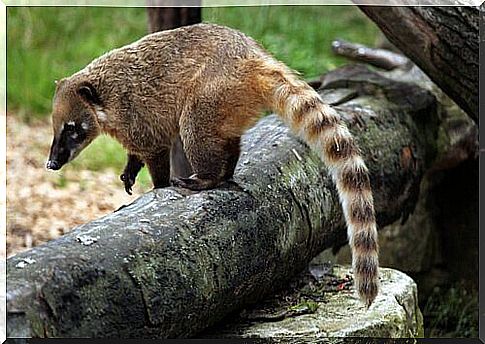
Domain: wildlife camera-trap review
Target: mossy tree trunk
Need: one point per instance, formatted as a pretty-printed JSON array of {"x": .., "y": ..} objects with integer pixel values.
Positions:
[{"x": 442, "y": 40}]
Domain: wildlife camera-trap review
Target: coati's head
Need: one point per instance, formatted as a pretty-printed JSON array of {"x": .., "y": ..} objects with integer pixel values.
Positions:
[{"x": 73, "y": 119}]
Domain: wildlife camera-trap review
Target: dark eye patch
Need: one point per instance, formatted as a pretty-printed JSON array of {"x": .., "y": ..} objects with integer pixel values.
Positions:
[
  {"x": 69, "y": 127},
  {"x": 73, "y": 132}
]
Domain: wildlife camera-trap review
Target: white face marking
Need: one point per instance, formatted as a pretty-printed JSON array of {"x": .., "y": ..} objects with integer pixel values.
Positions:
[
  {"x": 71, "y": 123},
  {"x": 102, "y": 117},
  {"x": 74, "y": 135},
  {"x": 84, "y": 125}
]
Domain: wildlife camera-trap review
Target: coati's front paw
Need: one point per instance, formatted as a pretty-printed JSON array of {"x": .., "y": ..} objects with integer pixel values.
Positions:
[
  {"x": 129, "y": 181},
  {"x": 194, "y": 183},
  {"x": 133, "y": 166}
]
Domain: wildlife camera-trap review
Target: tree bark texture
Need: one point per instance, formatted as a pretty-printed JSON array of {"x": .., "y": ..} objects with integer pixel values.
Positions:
[
  {"x": 166, "y": 18},
  {"x": 442, "y": 41},
  {"x": 175, "y": 262}
]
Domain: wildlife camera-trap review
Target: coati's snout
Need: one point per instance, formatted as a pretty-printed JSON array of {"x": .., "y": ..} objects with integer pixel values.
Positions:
[
  {"x": 73, "y": 120},
  {"x": 66, "y": 145}
]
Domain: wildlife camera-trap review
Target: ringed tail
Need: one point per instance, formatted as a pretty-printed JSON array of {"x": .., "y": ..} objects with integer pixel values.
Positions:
[{"x": 318, "y": 124}]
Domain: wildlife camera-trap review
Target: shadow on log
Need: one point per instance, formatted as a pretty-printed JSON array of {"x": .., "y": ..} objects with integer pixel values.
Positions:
[{"x": 175, "y": 262}]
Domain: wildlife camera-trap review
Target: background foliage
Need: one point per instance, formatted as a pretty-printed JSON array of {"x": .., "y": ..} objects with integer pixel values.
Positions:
[{"x": 48, "y": 43}]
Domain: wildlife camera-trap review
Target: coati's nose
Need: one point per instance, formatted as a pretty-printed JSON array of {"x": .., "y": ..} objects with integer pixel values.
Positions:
[{"x": 53, "y": 165}]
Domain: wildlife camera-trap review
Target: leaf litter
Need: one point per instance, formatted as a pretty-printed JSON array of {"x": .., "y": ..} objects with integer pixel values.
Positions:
[{"x": 41, "y": 204}]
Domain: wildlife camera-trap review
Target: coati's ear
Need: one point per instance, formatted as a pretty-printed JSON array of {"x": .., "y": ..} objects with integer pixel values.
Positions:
[
  {"x": 89, "y": 93},
  {"x": 59, "y": 82}
]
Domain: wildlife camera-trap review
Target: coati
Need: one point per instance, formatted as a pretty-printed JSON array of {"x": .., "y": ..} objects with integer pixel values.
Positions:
[{"x": 205, "y": 85}]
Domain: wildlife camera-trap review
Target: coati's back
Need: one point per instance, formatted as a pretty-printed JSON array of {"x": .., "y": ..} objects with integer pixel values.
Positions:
[{"x": 174, "y": 57}]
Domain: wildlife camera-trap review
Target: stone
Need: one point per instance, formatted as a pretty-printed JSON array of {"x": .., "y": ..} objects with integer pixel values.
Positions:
[{"x": 335, "y": 312}]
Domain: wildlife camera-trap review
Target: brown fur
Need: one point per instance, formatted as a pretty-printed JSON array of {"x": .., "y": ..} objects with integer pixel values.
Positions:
[{"x": 208, "y": 84}]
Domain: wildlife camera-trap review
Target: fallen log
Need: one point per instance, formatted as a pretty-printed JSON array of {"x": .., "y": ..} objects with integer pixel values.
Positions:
[
  {"x": 174, "y": 262},
  {"x": 442, "y": 40}
]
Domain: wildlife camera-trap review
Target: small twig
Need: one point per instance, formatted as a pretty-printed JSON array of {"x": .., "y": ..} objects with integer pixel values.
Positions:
[{"x": 296, "y": 154}]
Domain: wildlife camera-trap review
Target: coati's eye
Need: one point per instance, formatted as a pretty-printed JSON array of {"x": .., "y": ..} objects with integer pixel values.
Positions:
[
  {"x": 70, "y": 127},
  {"x": 74, "y": 132},
  {"x": 71, "y": 131}
]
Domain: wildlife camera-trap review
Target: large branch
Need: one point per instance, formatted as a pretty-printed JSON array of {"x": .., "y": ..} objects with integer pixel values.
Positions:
[
  {"x": 442, "y": 41},
  {"x": 175, "y": 262}
]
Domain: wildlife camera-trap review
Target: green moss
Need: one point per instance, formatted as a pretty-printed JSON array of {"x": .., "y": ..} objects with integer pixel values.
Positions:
[
  {"x": 36, "y": 323},
  {"x": 293, "y": 173},
  {"x": 309, "y": 305},
  {"x": 420, "y": 322}
]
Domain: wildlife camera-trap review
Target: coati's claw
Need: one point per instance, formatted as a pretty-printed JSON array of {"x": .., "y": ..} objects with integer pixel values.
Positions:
[
  {"x": 130, "y": 172},
  {"x": 194, "y": 183},
  {"x": 128, "y": 183},
  {"x": 181, "y": 182}
]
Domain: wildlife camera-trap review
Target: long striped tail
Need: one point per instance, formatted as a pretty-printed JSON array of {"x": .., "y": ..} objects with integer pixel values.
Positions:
[{"x": 318, "y": 124}]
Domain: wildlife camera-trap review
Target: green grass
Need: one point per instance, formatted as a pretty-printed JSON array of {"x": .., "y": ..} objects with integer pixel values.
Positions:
[
  {"x": 48, "y": 43},
  {"x": 300, "y": 36},
  {"x": 451, "y": 313},
  {"x": 105, "y": 152}
]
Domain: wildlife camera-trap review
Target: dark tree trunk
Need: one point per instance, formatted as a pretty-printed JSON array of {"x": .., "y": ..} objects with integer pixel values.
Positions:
[
  {"x": 442, "y": 41},
  {"x": 165, "y": 18}
]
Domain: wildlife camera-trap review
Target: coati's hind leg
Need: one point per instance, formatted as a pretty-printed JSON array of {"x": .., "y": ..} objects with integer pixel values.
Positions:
[
  {"x": 159, "y": 168},
  {"x": 213, "y": 162},
  {"x": 212, "y": 157},
  {"x": 133, "y": 166},
  {"x": 211, "y": 131}
]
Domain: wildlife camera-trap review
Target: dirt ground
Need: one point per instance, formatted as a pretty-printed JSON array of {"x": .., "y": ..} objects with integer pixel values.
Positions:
[{"x": 42, "y": 206}]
